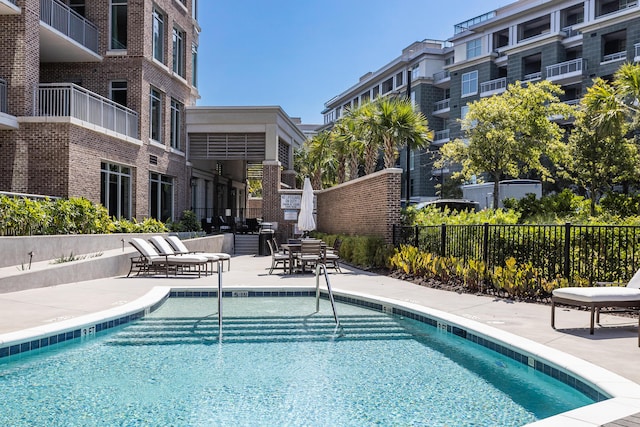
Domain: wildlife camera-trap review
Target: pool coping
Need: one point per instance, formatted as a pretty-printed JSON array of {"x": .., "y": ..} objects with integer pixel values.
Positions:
[{"x": 625, "y": 394}]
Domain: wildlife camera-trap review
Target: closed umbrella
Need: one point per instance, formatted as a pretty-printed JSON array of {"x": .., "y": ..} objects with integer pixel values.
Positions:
[{"x": 306, "y": 222}]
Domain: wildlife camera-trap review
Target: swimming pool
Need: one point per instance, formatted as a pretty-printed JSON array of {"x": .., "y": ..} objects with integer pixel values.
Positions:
[{"x": 279, "y": 364}]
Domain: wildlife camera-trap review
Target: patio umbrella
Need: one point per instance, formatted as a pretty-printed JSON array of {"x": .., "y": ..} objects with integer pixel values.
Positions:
[{"x": 306, "y": 222}]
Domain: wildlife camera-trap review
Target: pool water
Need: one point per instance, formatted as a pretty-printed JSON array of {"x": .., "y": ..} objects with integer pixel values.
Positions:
[{"x": 279, "y": 364}]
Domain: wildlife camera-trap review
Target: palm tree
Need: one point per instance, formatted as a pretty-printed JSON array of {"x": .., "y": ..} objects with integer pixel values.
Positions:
[
  {"x": 321, "y": 160},
  {"x": 627, "y": 86},
  {"x": 348, "y": 134},
  {"x": 396, "y": 123}
]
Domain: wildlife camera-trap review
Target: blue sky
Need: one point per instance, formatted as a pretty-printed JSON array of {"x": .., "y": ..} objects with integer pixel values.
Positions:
[{"x": 300, "y": 53}]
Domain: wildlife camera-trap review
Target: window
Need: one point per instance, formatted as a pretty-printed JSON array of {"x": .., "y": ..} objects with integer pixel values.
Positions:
[
  {"x": 412, "y": 160},
  {"x": 158, "y": 36},
  {"x": 115, "y": 189},
  {"x": 77, "y": 6},
  {"x": 176, "y": 123},
  {"x": 463, "y": 111},
  {"x": 118, "y": 24},
  {"x": 474, "y": 48},
  {"x": 194, "y": 9},
  {"x": 470, "y": 83},
  {"x": 376, "y": 91},
  {"x": 194, "y": 65},
  {"x": 399, "y": 79},
  {"x": 160, "y": 197},
  {"x": 415, "y": 72},
  {"x": 155, "y": 115},
  {"x": 118, "y": 92},
  {"x": 365, "y": 97},
  {"x": 178, "y": 52},
  {"x": 387, "y": 85},
  {"x": 355, "y": 102}
]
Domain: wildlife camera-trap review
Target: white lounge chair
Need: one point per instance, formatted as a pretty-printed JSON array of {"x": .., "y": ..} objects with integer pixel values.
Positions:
[
  {"x": 597, "y": 297},
  {"x": 180, "y": 248},
  {"x": 150, "y": 258}
]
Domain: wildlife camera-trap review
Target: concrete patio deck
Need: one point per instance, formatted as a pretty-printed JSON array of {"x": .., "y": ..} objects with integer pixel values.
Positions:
[{"x": 614, "y": 346}]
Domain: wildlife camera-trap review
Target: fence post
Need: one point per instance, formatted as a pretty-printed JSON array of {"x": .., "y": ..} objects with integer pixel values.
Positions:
[
  {"x": 485, "y": 243},
  {"x": 567, "y": 249},
  {"x": 443, "y": 239},
  {"x": 416, "y": 235}
]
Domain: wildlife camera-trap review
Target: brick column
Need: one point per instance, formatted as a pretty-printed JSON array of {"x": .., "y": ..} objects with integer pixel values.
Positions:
[{"x": 270, "y": 190}]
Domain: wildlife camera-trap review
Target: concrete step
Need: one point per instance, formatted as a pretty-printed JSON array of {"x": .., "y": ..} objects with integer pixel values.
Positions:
[{"x": 246, "y": 244}]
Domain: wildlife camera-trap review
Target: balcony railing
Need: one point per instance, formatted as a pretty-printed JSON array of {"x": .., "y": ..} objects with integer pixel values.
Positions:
[
  {"x": 617, "y": 56},
  {"x": 69, "y": 100},
  {"x": 60, "y": 17},
  {"x": 570, "y": 32},
  {"x": 441, "y": 105},
  {"x": 441, "y": 75},
  {"x": 532, "y": 76},
  {"x": 463, "y": 26},
  {"x": 3, "y": 96},
  {"x": 493, "y": 85},
  {"x": 567, "y": 67},
  {"x": 441, "y": 135}
]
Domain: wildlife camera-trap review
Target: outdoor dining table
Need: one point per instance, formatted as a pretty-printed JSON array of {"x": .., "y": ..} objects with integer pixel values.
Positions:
[{"x": 293, "y": 249}]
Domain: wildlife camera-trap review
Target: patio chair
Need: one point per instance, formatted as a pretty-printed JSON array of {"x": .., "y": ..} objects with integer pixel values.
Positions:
[
  {"x": 180, "y": 248},
  {"x": 597, "y": 297},
  {"x": 310, "y": 253},
  {"x": 332, "y": 256},
  {"x": 277, "y": 258},
  {"x": 150, "y": 259}
]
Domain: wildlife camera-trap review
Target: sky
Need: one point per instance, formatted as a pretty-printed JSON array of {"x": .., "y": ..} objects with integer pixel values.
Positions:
[{"x": 299, "y": 54}]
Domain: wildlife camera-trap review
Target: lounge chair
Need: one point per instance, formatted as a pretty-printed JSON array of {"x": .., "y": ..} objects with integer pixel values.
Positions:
[
  {"x": 164, "y": 248},
  {"x": 180, "y": 248},
  {"x": 277, "y": 258},
  {"x": 598, "y": 297},
  {"x": 150, "y": 259}
]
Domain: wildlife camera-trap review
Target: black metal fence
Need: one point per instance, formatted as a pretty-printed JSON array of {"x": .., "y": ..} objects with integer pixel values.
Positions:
[{"x": 589, "y": 252}]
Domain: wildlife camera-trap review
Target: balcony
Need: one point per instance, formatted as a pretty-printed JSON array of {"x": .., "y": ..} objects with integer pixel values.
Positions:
[
  {"x": 617, "y": 56},
  {"x": 441, "y": 137},
  {"x": 493, "y": 87},
  {"x": 637, "y": 52},
  {"x": 8, "y": 7},
  {"x": 441, "y": 108},
  {"x": 69, "y": 100},
  {"x": 442, "y": 79},
  {"x": 6, "y": 121},
  {"x": 570, "y": 32},
  {"x": 566, "y": 72},
  {"x": 66, "y": 36},
  {"x": 532, "y": 77}
]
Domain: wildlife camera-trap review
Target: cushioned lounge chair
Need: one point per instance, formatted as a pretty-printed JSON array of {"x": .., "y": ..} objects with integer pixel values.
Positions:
[
  {"x": 598, "y": 297},
  {"x": 150, "y": 259},
  {"x": 164, "y": 248},
  {"x": 180, "y": 248}
]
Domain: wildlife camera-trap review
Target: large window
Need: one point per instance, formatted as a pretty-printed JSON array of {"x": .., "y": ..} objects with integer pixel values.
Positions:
[
  {"x": 118, "y": 92},
  {"x": 474, "y": 48},
  {"x": 155, "y": 115},
  {"x": 194, "y": 65},
  {"x": 470, "y": 83},
  {"x": 178, "y": 52},
  {"x": 115, "y": 189},
  {"x": 118, "y": 24},
  {"x": 176, "y": 123},
  {"x": 160, "y": 197},
  {"x": 158, "y": 35}
]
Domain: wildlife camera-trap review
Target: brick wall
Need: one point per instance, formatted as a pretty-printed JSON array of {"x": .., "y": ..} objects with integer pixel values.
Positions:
[{"x": 367, "y": 206}]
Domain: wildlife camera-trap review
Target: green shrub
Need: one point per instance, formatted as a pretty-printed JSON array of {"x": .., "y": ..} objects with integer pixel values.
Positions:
[
  {"x": 361, "y": 251},
  {"x": 188, "y": 222}
]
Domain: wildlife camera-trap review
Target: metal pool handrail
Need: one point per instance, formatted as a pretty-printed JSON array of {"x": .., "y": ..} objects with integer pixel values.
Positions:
[
  {"x": 326, "y": 278},
  {"x": 219, "y": 301}
]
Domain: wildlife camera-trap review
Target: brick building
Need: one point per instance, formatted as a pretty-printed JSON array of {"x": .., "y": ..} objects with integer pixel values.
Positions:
[
  {"x": 568, "y": 42},
  {"x": 93, "y": 96}
]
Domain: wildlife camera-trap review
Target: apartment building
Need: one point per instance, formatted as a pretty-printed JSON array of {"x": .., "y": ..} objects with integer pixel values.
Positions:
[
  {"x": 568, "y": 42},
  {"x": 92, "y": 101}
]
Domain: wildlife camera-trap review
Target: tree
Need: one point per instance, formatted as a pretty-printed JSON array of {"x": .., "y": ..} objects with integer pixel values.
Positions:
[
  {"x": 600, "y": 155},
  {"x": 395, "y": 123},
  {"x": 349, "y": 135},
  {"x": 508, "y": 134},
  {"x": 322, "y": 165},
  {"x": 627, "y": 90}
]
